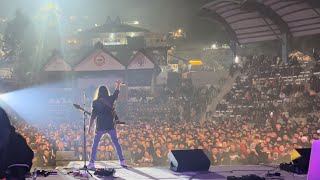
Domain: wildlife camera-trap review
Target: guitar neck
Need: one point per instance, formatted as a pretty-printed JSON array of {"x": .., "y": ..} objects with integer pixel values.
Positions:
[{"x": 87, "y": 112}]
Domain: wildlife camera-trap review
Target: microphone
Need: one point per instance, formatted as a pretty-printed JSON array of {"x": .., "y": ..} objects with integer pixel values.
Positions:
[{"x": 84, "y": 99}]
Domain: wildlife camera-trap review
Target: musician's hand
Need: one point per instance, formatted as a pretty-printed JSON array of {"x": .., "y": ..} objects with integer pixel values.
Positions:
[{"x": 118, "y": 82}]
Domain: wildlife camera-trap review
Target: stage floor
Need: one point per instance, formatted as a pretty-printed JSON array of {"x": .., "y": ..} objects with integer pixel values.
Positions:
[{"x": 215, "y": 172}]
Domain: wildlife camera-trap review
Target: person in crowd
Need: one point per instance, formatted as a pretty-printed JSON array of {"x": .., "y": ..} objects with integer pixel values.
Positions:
[
  {"x": 215, "y": 157},
  {"x": 159, "y": 159},
  {"x": 146, "y": 160},
  {"x": 79, "y": 154},
  {"x": 47, "y": 159},
  {"x": 234, "y": 156}
]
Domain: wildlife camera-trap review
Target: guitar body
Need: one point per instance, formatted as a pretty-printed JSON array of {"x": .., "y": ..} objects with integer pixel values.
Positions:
[{"x": 116, "y": 118}]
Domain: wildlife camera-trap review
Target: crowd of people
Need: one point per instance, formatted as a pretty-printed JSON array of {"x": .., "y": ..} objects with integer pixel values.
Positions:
[
  {"x": 263, "y": 91},
  {"x": 258, "y": 122},
  {"x": 141, "y": 143},
  {"x": 226, "y": 141},
  {"x": 282, "y": 101}
]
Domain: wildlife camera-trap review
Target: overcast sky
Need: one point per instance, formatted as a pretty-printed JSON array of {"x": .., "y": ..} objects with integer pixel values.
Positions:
[{"x": 156, "y": 15}]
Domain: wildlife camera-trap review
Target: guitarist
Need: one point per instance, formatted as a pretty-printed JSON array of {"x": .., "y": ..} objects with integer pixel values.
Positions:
[{"x": 104, "y": 114}]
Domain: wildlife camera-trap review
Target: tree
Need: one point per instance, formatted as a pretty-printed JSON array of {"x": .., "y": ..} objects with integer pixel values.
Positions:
[
  {"x": 18, "y": 45},
  {"x": 14, "y": 34}
]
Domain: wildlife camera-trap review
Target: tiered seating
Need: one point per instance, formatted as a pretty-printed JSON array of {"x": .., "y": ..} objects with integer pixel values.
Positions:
[{"x": 268, "y": 89}]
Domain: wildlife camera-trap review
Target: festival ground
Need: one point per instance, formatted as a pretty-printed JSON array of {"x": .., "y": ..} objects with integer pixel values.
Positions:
[{"x": 215, "y": 172}]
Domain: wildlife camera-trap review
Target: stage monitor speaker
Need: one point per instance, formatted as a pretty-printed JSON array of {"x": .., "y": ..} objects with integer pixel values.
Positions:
[
  {"x": 64, "y": 157},
  {"x": 300, "y": 161},
  {"x": 303, "y": 162},
  {"x": 188, "y": 160}
]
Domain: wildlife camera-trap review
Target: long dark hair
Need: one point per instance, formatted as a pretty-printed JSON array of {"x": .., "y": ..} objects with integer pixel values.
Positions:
[{"x": 101, "y": 92}]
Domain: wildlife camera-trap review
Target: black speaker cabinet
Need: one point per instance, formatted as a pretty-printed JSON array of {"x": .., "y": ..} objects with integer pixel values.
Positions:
[
  {"x": 299, "y": 165},
  {"x": 188, "y": 160},
  {"x": 303, "y": 162}
]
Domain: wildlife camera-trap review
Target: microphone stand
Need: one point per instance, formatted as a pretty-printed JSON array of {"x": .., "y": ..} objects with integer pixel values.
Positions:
[{"x": 85, "y": 168}]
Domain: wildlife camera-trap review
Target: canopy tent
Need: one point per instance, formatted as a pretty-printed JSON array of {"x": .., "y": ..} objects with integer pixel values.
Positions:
[
  {"x": 141, "y": 69},
  {"x": 141, "y": 61},
  {"x": 99, "y": 60},
  {"x": 104, "y": 66},
  {"x": 57, "y": 63}
]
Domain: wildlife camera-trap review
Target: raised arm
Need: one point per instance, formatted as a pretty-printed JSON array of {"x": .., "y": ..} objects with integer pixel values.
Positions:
[
  {"x": 114, "y": 96},
  {"x": 118, "y": 83}
]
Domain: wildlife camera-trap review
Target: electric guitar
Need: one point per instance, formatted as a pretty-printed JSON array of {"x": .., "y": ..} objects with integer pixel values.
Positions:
[{"x": 77, "y": 106}]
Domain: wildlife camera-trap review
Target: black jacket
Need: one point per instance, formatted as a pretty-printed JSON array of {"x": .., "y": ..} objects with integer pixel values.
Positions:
[
  {"x": 103, "y": 109},
  {"x": 16, "y": 152}
]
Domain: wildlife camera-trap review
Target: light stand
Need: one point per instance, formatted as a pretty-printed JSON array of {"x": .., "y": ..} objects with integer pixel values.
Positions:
[{"x": 85, "y": 168}]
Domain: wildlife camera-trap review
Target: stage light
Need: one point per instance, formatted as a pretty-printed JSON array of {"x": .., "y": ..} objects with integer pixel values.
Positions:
[
  {"x": 236, "y": 59},
  {"x": 214, "y": 46},
  {"x": 49, "y": 7},
  {"x": 31, "y": 104},
  {"x": 180, "y": 31},
  {"x": 195, "y": 62},
  {"x": 72, "y": 18}
]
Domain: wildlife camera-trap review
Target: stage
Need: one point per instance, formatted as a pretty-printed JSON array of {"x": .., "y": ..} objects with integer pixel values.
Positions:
[{"x": 215, "y": 172}]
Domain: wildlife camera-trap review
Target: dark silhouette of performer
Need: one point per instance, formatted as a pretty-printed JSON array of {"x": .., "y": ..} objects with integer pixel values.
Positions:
[
  {"x": 104, "y": 113},
  {"x": 15, "y": 155}
]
